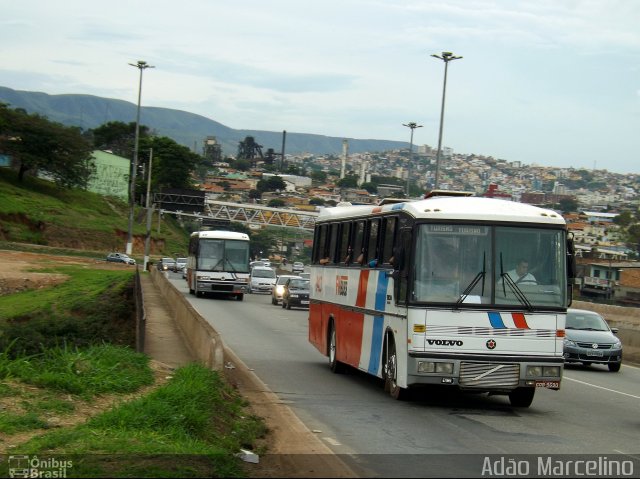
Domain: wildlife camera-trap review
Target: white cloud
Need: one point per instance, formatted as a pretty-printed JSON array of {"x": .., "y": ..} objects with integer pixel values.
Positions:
[{"x": 552, "y": 82}]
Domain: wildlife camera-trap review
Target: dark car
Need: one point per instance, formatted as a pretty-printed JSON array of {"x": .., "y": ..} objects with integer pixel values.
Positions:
[
  {"x": 120, "y": 258},
  {"x": 590, "y": 340},
  {"x": 296, "y": 293},
  {"x": 167, "y": 264}
]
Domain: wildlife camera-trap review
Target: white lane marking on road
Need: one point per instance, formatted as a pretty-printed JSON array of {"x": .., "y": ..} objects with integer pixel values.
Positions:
[
  {"x": 332, "y": 441},
  {"x": 600, "y": 387}
]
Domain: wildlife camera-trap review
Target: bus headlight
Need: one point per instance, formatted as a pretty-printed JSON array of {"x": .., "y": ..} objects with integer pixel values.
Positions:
[
  {"x": 534, "y": 371},
  {"x": 432, "y": 367},
  {"x": 551, "y": 371}
]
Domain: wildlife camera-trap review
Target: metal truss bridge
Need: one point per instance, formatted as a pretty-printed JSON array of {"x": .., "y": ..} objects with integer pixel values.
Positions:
[{"x": 247, "y": 213}]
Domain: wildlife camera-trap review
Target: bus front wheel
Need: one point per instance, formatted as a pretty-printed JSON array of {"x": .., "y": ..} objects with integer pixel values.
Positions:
[
  {"x": 335, "y": 365},
  {"x": 390, "y": 373}
]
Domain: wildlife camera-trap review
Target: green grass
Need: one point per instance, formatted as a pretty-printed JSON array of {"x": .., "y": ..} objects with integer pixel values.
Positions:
[
  {"x": 36, "y": 319},
  {"x": 86, "y": 372},
  {"x": 190, "y": 427}
]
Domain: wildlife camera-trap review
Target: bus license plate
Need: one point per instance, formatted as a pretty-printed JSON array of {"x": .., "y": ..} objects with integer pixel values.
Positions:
[{"x": 548, "y": 384}]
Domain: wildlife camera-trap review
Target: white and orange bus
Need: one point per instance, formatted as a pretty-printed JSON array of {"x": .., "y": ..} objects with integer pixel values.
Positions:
[
  {"x": 426, "y": 292},
  {"x": 218, "y": 262}
]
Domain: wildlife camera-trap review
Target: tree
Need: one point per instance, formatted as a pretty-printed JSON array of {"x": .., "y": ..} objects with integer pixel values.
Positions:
[
  {"x": 173, "y": 164},
  {"x": 348, "y": 182},
  {"x": 624, "y": 219},
  {"x": 318, "y": 177},
  {"x": 276, "y": 203},
  {"x": 568, "y": 205},
  {"x": 372, "y": 188},
  {"x": 273, "y": 183},
  {"x": 255, "y": 194},
  {"x": 241, "y": 164},
  {"x": 118, "y": 137},
  {"x": 39, "y": 145},
  {"x": 634, "y": 235}
]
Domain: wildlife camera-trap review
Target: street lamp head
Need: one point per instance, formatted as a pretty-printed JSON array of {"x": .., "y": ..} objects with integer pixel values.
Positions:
[
  {"x": 446, "y": 56},
  {"x": 141, "y": 65},
  {"x": 412, "y": 125}
]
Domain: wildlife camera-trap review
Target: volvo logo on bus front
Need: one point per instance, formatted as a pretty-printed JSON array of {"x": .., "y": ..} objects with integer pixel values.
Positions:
[
  {"x": 491, "y": 344},
  {"x": 445, "y": 342}
]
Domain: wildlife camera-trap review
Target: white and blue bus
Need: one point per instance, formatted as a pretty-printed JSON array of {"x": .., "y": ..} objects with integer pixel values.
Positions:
[
  {"x": 218, "y": 262},
  {"x": 431, "y": 292}
]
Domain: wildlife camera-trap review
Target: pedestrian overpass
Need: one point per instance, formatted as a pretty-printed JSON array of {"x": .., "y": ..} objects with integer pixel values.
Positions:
[{"x": 247, "y": 213}]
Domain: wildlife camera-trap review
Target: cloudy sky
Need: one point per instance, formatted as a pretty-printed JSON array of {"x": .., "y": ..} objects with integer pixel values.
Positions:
[{"x": 554, "y": 83}]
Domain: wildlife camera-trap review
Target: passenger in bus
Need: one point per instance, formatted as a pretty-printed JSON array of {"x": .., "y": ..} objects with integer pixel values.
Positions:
[
  {"x": 325, "y": 260},
  {"x": 520, "y": 274},
  {"x": 349, "y": 256}
]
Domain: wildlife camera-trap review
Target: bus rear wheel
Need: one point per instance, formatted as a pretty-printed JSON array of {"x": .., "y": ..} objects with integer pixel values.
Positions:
[
  {"x": 335, "y": 365},
  {"x": 522, "y": 397}
]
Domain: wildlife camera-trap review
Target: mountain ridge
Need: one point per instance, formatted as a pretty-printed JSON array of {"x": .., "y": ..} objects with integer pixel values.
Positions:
[{"x": 186, "y": 128}]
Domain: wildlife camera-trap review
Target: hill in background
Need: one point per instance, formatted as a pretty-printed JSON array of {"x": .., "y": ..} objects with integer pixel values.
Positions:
[
  {"x": 35, "y": 211},
  {"x": 188, "y": 129}
]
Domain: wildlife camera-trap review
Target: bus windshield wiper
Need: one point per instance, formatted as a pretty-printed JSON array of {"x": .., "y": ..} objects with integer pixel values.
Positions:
[
  {"x": 474, "y": 281},
  {"x": 506, "y": 279},
  {"x": 223, "y": 261}
]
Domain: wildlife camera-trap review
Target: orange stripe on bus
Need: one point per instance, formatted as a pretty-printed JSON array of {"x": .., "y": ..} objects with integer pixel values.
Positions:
[{"x": 363, "y": 282}]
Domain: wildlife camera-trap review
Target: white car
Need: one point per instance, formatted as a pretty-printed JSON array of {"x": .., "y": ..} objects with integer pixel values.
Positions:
[
  {"x": 297, "y": 267},
  {"x": 278, "y": 289},
  {"x": 120, "y": 258},
  {"x": 262, "y": 279}
]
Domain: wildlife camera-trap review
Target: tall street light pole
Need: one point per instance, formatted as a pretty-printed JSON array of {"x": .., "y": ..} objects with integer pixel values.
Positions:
[
  {"x": 141, "y": 65},
  {"x": 413, "y": 126},
  {"x": 446, "y": 57}
]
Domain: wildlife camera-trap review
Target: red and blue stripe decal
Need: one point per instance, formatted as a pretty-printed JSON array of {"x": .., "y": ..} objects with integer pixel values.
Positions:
[{"x": 518, "y": 320}]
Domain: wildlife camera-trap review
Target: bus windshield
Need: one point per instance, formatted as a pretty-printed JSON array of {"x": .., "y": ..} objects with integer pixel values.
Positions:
[
  {"x": 223, "y": 255},
  {"x": 469, "y": 265}
]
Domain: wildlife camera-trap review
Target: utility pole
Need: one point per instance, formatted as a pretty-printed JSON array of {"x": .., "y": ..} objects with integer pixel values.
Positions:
[{"x": 413, "y": 126}]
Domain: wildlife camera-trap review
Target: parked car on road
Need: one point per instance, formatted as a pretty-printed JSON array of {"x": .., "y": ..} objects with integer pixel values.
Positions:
[
  {"x": 180, "y": 263},
  {"x": 296, "y": 293},
  {"x": 278, "y": 289},
  {"x": 297, "y": 267},
  {"x": 167, "y": 264},
  {"x": 120, "y": 258},
  {"x": 261, "y": 279},
  {"x": 589, "y": 340}
]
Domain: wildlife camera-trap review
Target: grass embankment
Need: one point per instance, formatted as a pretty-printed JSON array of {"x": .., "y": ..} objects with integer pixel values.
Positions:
[
  {"x": 66, "y": 355},
  {"x": 35, "y": 211}
]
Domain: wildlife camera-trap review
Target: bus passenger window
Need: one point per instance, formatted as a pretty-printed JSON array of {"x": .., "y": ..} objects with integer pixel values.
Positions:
[
  {"x": 372, "y": 244},
  {"x": 358, "y": 241},
  {"x": 388, "y": 240}
]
